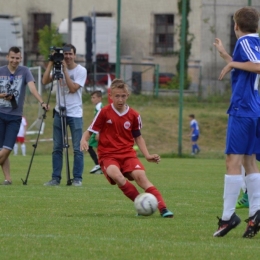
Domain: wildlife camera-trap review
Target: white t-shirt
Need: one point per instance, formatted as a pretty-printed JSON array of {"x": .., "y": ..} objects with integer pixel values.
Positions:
[
  {"x": 72, "y": 101},
  {"x": 21, "y": 132}
]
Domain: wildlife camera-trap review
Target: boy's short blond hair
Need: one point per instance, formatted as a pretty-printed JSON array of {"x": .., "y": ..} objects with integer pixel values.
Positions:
[{"x": 119, "y": 83}]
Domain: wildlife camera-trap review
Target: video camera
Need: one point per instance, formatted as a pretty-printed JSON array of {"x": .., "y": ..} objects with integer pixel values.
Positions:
[
  {"x": 57, "y": 57},
  {"x": 11, "y": 92}
]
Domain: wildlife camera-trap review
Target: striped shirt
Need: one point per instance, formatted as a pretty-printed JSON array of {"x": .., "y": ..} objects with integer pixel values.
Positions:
[{"x": 245, "y": 100}]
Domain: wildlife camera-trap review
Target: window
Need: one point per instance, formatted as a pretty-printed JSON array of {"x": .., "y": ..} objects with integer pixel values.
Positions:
[
  {"x": 163, "y": 33},
  {"x": 233, "y": 38},
  {"x": 39, "y": 20}
]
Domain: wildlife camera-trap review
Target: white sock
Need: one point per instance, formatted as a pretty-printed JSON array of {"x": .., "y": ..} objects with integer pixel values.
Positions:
[
  {"x": 15, "y": 149},
  {"x": 23, "y": 147},
  {"x": 232, "y": 186},
  {"x": 244, "y": 178},
  {"x": 253, "y": 190}
]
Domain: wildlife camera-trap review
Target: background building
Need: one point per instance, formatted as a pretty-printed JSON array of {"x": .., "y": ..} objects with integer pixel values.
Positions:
[{"x": 149, "y": 32}]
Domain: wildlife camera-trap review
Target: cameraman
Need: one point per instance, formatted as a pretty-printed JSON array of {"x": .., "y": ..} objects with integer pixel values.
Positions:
[
  {"x": 13, "y": 82},
  {"x": 69, "y": 96}
]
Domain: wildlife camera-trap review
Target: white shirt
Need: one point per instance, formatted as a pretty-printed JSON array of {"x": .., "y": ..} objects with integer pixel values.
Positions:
[{"x": 72, "y": 101}]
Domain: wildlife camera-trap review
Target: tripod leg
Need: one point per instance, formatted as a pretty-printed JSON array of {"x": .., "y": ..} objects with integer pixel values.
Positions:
[
  {"x": 38, "y": 135},
  {"x": 34, "y": 146},
  {"x": 65, "y": 145},
  {"x": 64, "y": 130},
  {"x": 69, "y": 181}
]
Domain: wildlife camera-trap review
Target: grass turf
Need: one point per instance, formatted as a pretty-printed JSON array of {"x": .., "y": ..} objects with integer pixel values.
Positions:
[{"x": 96, "y": 221}]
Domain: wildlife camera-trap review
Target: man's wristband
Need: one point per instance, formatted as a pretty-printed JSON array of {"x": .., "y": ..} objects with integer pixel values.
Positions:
[{"x": 42, "y": 103}]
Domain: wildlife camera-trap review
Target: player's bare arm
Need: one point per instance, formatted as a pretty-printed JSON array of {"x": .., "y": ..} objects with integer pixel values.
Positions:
[
  {"x": 247, "y": 66},
  {"x": 224, "y": 71},
  {"x": 142, "y": 146},
  {"x": 222, "y": 52},
  {"x": 84, "y": 141},
  {"x": 191, "y": 132},
  {"x": 35, "y": 93},
  {"x": 153, "y": 158}
]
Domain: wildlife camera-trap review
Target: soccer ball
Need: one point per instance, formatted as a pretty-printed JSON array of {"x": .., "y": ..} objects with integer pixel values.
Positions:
[
  {"x": 135, "y": 147},
  {"x": 145, "y": 204}
]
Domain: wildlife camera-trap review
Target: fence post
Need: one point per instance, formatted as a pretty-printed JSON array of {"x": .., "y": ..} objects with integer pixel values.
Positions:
[
  {"x": 157, "y": 69},
  {"x": 118, "y": 39}
]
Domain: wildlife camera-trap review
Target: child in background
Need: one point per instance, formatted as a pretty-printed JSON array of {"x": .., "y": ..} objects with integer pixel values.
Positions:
[
  {"x": 20, "y": 137},
  {"x": 96, "y": 99},
  {"x": 194, "y": 134}
]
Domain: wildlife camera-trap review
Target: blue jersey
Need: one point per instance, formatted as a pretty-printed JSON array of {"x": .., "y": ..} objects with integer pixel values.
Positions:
[
  {"x": 245, "y": 100},
  {"x": 195, "y": 126}
]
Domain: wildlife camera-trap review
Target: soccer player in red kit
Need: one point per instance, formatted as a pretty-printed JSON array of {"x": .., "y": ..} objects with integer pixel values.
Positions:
[{"x": 119, "y": 127}]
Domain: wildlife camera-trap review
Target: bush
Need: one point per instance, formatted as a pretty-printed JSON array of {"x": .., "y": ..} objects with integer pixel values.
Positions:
[
  {"x": 175, "y": 83},
  {"x": 48, "y": 36}
]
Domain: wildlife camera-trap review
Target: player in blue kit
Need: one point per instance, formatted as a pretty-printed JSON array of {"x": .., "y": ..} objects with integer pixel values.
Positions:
[
  {"x": 244, "y": 113},
  {"x": 194, "y": 134}
]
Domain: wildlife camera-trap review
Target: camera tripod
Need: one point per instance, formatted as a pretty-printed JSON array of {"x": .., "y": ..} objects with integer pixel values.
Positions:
[
  {"x": 37, "y": 139},
  {"x": 62, "y": 113}
]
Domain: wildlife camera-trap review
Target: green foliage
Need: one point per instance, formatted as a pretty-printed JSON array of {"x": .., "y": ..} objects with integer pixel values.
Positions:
[
  {"x": 175, "y": 83},
  {"x": 48, "y": 36}
]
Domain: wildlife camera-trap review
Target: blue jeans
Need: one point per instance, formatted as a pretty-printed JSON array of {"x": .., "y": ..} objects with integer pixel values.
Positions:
[
  {"x": 75, "y": 124},
  {"x": 9, "y": 128}
]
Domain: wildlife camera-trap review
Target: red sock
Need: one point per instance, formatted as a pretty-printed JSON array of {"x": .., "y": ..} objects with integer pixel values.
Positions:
[
  {"x": 129, "y": 190},
  {"x": 157, "y": 194}
]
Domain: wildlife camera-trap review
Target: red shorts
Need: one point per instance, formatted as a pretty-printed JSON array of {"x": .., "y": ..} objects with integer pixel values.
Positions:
[
  {"x": 19, "y": 139},
  {"x": 126, "y": 165}
]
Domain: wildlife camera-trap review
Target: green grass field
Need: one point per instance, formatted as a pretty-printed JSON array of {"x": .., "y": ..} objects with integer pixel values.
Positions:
[{"x": 96, "y": 221}]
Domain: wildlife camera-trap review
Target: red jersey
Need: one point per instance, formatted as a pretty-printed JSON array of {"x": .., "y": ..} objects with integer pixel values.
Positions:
[{"x": 115, "y": 131}]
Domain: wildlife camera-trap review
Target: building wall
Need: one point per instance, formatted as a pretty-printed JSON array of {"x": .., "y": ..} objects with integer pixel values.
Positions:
[
  {"x": 208, "y": 19},
  {"x": 216, "y": 23},
  {"x": 136, "y": 21}
]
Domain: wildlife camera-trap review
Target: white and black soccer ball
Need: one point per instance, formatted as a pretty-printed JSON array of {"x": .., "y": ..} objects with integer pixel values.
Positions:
[{"x": 145, "y": 204}]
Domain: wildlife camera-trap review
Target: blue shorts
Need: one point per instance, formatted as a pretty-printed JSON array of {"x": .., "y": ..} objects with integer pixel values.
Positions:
[
  {"x": 194, "y": 138},
  {"x": 241, "y": 136},
  {"x": 9, "y": 128}
]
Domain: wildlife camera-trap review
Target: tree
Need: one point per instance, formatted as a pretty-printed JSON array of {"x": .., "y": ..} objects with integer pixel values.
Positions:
[{"x": 48, "y": 37}]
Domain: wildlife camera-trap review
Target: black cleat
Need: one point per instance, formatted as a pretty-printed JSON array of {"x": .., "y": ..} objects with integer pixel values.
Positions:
[
  {"x": 253, "y": 225},
  {"x": 224, "y": 226}
]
